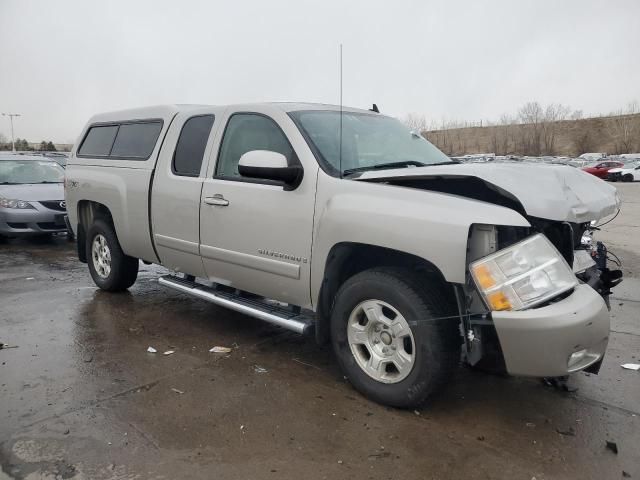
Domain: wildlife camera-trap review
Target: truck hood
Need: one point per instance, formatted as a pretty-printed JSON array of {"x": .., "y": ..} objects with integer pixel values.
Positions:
[
  {"x": 33, "y": 191},
  {"x": 552, "y": 192}
]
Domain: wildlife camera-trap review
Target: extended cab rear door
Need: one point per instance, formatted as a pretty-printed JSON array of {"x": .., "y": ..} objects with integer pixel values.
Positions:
[
  {"x": 176, "y": 189},
  {"x": 255, "y": 235}
]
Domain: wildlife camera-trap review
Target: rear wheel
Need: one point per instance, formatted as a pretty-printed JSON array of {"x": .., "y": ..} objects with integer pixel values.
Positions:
[
  {"x": 391, "y": 338},
  {"x": 627, "y": 178},
  {"x": 110, "y": 268}
]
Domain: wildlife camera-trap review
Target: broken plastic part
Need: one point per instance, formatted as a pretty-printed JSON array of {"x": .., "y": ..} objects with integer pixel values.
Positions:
[{"x": 220, "y": 350}]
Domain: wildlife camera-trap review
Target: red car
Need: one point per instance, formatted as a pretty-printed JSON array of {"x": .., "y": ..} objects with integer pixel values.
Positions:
[{"x": 600, "y": 169}]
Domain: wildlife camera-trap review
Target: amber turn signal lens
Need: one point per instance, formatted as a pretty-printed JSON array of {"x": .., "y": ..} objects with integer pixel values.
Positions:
[
  {"x": 483, "y": 277},
  {"x": 499, "y": 301}
]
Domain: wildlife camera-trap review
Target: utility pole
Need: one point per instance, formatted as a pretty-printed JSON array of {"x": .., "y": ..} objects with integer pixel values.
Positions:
[{"x": 11, "y": 115}]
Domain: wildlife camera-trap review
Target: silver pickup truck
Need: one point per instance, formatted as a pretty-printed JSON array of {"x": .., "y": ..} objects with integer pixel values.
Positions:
[{"x": 343, "y": 224}]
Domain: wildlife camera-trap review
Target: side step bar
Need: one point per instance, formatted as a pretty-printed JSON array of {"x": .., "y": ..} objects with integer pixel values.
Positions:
[{"x": 275, "y": 314}]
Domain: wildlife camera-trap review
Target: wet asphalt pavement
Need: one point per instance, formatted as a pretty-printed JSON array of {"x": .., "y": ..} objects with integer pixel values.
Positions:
[{"x": 81, "y": 398}]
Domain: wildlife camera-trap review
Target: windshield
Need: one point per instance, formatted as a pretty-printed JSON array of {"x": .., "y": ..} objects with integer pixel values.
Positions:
[
  {"x": 19, "y": 172},
  {"x": 632, "y": 164},
  {"x": 368, "y": 141}
]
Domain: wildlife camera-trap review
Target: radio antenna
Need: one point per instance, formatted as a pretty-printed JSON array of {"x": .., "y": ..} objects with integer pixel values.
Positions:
[{"x": 340, "y": 154}]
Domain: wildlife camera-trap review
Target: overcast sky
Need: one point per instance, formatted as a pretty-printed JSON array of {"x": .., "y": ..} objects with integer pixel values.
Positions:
[{"x": 62, "y": 61}]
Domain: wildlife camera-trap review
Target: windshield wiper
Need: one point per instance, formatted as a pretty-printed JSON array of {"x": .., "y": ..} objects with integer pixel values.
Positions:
[
  {"x": 9, "y": 183},
  {"x": 45, "y": 181},
  {"x": 381, "y": 166},
  {"x": 450, "y": 162}
]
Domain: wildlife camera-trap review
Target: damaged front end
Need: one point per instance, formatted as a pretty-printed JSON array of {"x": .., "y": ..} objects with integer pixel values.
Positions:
[
  {"x": 555, "y": 336},
  {"x": 566, "y": 328}
]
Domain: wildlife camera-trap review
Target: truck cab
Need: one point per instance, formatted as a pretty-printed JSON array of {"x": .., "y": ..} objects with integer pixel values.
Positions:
[{"x": 342, "y": 224}]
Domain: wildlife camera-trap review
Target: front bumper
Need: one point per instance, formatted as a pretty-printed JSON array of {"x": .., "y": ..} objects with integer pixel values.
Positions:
[
  {"x": 25, "y": 222},
  {"x": 540, "y": 342}
]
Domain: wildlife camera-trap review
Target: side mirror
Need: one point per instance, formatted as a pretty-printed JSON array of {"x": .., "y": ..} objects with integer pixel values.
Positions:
[{"x": 270, "y": 166}]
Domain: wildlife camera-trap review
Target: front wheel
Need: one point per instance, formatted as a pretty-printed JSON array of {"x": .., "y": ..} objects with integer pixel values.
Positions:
[
  {"x": 111, "y": 269},
  {"x": 395, "y": 335},
  {"x": 627, "y": 178}
]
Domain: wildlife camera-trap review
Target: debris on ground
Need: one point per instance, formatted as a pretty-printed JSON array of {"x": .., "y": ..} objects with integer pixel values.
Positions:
[
  {"x": 530, "y": 425},
  {"x": 87, "y": 359},
  {"x": 305, "y": 364},
  {"x": 30, "y": 278},
  {"x": 569, "y": 432},
  {"x": 169, "y": 352},
  {"x": 4, "y": 346},
  {"x": 613, "y": 446},
  {"x": 151, "y": 350},
  {"x": 177, "y": 391},
  {"x": 259, "y": 369},
  {"x": 220, "y": 350},
  {"x": 631, "y": 366},
  {"x": 626, "y": 474}
]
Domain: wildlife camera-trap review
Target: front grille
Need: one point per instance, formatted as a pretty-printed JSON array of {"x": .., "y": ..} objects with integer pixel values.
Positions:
[{"x": 58, "y": 205}]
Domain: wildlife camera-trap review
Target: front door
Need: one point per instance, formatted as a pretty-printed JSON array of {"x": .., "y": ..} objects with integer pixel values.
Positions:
[{"x": 255, "y": 235}]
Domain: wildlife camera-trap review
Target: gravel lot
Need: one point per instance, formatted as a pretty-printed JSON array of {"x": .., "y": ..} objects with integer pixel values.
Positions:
[{"x": 81, "y": 398}]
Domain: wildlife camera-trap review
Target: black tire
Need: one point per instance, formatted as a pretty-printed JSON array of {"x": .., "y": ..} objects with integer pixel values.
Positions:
[
  {"x": 124, "y": 269},
  {"x": 627, "y": 178},
  {"x": 423, "y": 302}
]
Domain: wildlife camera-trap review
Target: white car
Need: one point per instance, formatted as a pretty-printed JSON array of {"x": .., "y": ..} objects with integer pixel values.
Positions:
[{"x": 629, "y": 173}]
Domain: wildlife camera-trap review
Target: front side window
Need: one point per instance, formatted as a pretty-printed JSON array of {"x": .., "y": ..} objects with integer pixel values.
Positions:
[
  {"x": 187, "y": 159},
  {"x": 246, "y": 132},
  {"x": 368, "y": 141}
]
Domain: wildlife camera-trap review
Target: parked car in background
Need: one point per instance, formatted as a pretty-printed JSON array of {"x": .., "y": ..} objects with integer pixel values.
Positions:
[
  {"x": 593, "y": 157},
  {"x": 59, "y": 157},
  {"x": 629, "y": 173},
  {"x": 31, "y": 196},
  {"x": 601, "y": 169}
]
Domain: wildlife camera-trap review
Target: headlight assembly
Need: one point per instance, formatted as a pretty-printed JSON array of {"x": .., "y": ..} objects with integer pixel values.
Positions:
[
  {"x": 11, "y": 203},
  {"x": 523, "y": 275}
]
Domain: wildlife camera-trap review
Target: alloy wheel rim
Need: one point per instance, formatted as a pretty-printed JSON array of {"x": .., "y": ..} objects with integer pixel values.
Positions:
[
  {"x": 101, "y": 256},
  {"x": 381, "y": 341}
]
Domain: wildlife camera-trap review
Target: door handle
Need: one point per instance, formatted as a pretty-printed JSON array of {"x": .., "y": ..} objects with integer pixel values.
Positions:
[{"x": 217, "y": 200}]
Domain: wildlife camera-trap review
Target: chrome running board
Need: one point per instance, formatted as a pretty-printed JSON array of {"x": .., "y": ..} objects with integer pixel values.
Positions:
[{"x": 298, "y": 322}]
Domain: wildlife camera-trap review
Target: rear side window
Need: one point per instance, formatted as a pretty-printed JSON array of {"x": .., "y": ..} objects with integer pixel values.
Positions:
[
  {"x": 134, "y": 141},
  {"x": 98, "y": 141},
  {"x": 187, "y": 158}
]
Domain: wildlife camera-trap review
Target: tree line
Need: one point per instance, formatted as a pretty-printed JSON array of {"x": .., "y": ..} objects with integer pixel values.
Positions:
[
  {"x": 536, "y": 130},
  {"x": 23, "y": 146}
]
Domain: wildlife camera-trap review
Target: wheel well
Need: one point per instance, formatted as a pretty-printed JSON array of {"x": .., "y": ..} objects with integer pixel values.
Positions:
[
  {"x": 348, "y": 259},
  {"x": 88, "y": 212}
]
